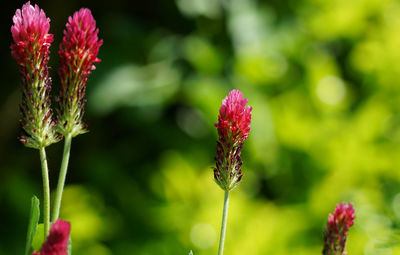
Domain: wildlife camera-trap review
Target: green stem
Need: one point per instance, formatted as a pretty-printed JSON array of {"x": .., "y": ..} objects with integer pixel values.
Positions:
[
  {"x": 46, "y": 192},
  {"x": 61, "y": 178},
  {"x": 223, "y": 225}
]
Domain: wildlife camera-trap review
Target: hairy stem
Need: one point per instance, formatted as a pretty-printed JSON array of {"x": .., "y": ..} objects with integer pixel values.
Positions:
[
  {"x": 46, "y": 192},
  {"x": 61, "y": 178},
  {"x": 223, "y": 225}
]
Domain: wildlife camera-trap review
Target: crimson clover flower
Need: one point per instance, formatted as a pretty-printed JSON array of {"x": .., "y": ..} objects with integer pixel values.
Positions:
[
  {"x": 57, "y": 241},
  {"x": 336, "y": 232},
  {"x": 30, "y": 49},
  {"x": 233, "y": 129},
  {"x": 78, "y": 53}
]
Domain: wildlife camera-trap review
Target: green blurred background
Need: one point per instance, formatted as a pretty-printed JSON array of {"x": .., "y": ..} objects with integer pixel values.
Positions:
[{"x": 321, "y": 76}]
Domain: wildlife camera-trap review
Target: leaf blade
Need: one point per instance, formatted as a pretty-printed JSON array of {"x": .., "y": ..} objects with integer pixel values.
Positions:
[{"x": 33, "y": 223}]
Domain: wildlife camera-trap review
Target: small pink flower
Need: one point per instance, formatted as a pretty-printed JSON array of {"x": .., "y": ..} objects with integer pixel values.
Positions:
[
  {"x": 337, "y": 228},
  {"x": 233, "y": 128},
  {"x": 30, "y": 49},
  {"x": 57, "y": 241},
  {"x": 78, "y": 53}
]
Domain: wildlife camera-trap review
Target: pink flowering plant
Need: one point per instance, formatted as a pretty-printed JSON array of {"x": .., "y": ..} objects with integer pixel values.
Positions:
[
  {"x": 43, "y": 126},
  {"x": 233, "y": 129},
  {"x": 78, "y": 53}
]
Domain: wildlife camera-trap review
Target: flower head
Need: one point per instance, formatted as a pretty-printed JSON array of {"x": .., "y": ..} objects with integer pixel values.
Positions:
[
  {"x": 337, "y": 228},
  {"x": 78, "y": 53},
  {"x": 57, "y": 241},
  {"x": 31, "y": 51},
  {"x": 233, "y": 128}
]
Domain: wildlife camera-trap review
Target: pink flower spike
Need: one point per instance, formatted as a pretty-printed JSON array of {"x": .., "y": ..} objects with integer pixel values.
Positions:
[
  {"x": 30, "y": 49},
  {"x": 78, "y": 54},
  {"x": 337, "y": 228},
  {"x": 57, "y": 241},
  {"x": 233, "y": 128}
]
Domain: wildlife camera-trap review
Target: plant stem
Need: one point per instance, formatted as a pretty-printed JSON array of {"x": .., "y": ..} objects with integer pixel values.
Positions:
[
  {"x": 61, "y": 178},
  {"x": 46, "y": 192},
  {"x": 223, "y": 225}
]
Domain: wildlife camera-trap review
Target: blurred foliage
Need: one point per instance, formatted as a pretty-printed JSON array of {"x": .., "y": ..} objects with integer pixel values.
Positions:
[{"x": 322, "y": 77}]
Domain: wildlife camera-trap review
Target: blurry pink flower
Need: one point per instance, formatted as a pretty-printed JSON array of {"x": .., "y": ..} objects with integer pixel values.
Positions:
[
  {"x": 233, "y": 128},
  {"x": 78, "y": 53},
  {"x": 31, "y": 51},
  {"x": 57, "y": 241},
  {"x": 337, "y": 227}
]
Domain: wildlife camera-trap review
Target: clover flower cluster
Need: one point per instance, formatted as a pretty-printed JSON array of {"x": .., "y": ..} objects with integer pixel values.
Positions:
[
  {"x": 32, "y": 40},
  {"x": 336, "y": 232},
  {"x": 78, "y": 53},
  {"x": 233, "y": 129}
]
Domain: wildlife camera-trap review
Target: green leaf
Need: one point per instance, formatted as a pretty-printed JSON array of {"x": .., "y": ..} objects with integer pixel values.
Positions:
[
  {"x": 69, "y": 245},
  {"x": 190, "y": 253},
  {"x": 38, "y": 238},
  {"x": 33, "y": 223}
]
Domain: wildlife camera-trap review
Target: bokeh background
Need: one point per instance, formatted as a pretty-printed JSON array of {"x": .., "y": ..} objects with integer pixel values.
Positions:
[{"x": 323, "y": 80}]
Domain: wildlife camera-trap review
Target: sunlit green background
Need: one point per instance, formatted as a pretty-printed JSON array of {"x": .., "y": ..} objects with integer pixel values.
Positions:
[{"x": 322, "y": 78}]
